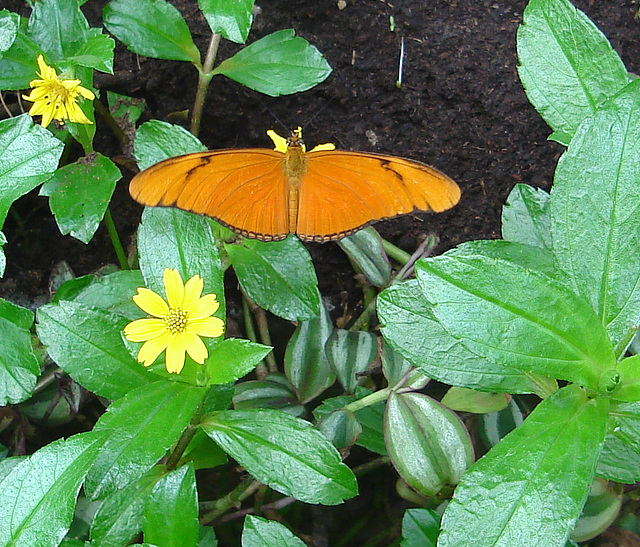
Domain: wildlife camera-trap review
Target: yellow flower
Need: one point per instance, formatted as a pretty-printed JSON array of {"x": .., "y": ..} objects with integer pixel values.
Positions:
[
  {"x": 56, "y": 99},
  {"x": 177, "y": 324},
  {"x": 281, "y": 144}
]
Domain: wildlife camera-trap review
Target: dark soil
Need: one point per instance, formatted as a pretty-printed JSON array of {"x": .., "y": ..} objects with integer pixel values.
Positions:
[{"x": 461, "y": 109}]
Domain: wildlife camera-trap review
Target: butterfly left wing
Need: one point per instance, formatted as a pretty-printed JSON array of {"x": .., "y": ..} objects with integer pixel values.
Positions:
[
  {"x": 244, "y": 189},
  {"x": 342, "y": 192}
]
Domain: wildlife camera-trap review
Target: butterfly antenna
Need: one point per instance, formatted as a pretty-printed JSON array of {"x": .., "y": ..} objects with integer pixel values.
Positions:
[
  {"x": 318, "y": 112},
  {"x": 273, "y": 114}
]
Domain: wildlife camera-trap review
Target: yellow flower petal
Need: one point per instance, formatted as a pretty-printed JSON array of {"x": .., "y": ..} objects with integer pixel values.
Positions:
[
  {"x": 195, "y": 347},
  {"x": 75, "y": 113},
  {"x": 175, "y": 355},
  {"x": 47, "y": 116},
  {"x": 206, "y": 306},
  {"x": 211, "y": 327},
  {"x": 151, "y": 302},
  {"x": 86, "y": 93},
  {"x": 192, "y": 291},
  {"x": 150, "y": 350},
  {"x": 142, "y": 330},
  {"x": 174, "y": 287},
  {"x": 279, "y": 142}
]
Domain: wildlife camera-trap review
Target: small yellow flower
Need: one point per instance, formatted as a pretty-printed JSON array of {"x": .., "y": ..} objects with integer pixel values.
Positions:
[
  {"x": 281, "y": 144},
  {"x": 177, "y": 324},
  {"x": 56, "y": 99}
]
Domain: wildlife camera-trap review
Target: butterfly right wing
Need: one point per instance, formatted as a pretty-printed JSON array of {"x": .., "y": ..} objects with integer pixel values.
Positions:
[{"x": 244, "y": 189}]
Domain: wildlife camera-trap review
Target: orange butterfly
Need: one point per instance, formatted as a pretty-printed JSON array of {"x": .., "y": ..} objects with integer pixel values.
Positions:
[{"x": 321, "y": 195}]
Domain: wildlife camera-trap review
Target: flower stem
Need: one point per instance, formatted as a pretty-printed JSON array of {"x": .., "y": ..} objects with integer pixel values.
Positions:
[
  {"x": 115, "y": 240},
  {"x": 204, "y": 79},
  {"x": 185, "y": 439}
]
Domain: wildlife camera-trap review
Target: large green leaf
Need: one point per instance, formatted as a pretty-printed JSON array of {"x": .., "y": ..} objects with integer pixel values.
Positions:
[
  {"x": 231, "y": 18},
  {"x": 350, "y": 354},
  {"x": 366, "y": 250},
  {"x": 278, "y": 64},
  {"x": 19, "y": 368},
  {"x": 410, "y": 327},
  {"x": 87, "y": 344},
  {"x": 9, "y": 24},
  {"x": 567, "y": 66},
  {"x": 29, "y": 155},
  {"x": 39, "y": 493},
  {"x": 420, "y": 528},
  {"x": 171, "y": 511},
  {"x": 96, "y": 52},
  {"x": 278, "y": 276},
  {"x": 530, "y": 488},
  {"x": 79, "y": 194},
  {"x": 18, "y": 65},
  {"x": 517, "y": 317},
  {"x": 153, "y": 28},
  {"x": 595, "y": 220},
  {"x": 283, "y": 452},
  {"x": 141, "y": 427},
  {"x": 58, "y": 27}
]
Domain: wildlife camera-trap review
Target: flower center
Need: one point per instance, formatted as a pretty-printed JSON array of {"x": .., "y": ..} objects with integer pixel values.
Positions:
[{"x": 176, "y": 320}]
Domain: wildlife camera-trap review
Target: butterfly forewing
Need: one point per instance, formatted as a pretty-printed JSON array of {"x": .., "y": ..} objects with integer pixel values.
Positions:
[
  {"x": 344, "y": 191},
  {"x": 243, "y": 189}
]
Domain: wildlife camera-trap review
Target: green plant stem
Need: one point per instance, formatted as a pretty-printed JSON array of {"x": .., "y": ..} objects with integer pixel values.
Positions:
[
  {"x": 395, "y": 252},
  {"x": 115, "y": 240},
  {"x": 46, "y": 380},
  {"x": 365, "y": 315},
  {"x": 185, "y": 439},
  {"x": 233, "y": 499},
  {"x": 204, "y": 79},
  {"x": 371, "y": 399},
  {"x": 251, "y": 309},
  {"x": 106, "y": 116}
]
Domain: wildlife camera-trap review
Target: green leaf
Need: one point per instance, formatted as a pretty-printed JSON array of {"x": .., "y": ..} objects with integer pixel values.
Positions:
[
  {"x": 365, "y": 249},
  {"x": 496, "y": 425},
  {"x": 567, "y": 66},
  {"x": 278, "y": 64},
  {"x": 87, "y": 344},
  {"x": 203, "y": 453},
  {"x": 19, "y": 367},
  {"x": 142, "y": 426},
  {"x": 231, "y": 18},
  {"x": 274, "y": 391},
  {"x": 80, "y": 193},
  {"x": 278, "y": 276},
  {"x": 171, "y": 511},
  {"x": 9, "y": 25},
  {"x": 283, "y": 452},
  {"x": 156, "y": 141},
  {"x": 409, "y": 326},
  {"x": 119, "y": 517},
  {"x": 259, "y": 532},
  {"x": 620, "y": 457},
  {"x": 595, "y": 220},
  {"x": 420, "y": 528},
  {"x": 305, "y": 361},
  {"x": 525, "y": 217},
  {"x": 112, "y": 292},
  {"x": 341, "y": 427},
  {"x": 96, "y": 52},
  {"x": 394, "y": 366},
  {"x": 370, "y": 417},
  {"x": 627, "y": 386},
  {"x": 170, "y": 238},
  {"x": 526, "y": 321},
  {"x": 530, "y": 488},
  {"x": 153, "y": 28},
  {"x": 232, "y": 359},
  {"x": 462, "y": 399},
  {"x": 601, "y": 509},
  {"x": 3, "y": 258},
  {"x": 427, "y": 443},
  {"x": 350, "y": 354},
  {"x": 18, "y": 65},
  {"x": 29, "y": 155},
  {"x": 58, "y": 27},
  {"x": 39, "y": 494}
]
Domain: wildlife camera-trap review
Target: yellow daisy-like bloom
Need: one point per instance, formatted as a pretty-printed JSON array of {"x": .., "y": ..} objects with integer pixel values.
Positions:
[
  {"x": 56, "y": 99},
  {"x": 176, "y": 324},
  {"x": 281, "y": 144}
]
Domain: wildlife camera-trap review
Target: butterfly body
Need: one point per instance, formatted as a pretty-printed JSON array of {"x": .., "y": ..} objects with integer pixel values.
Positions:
[{"x": 321, "y": 195}]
